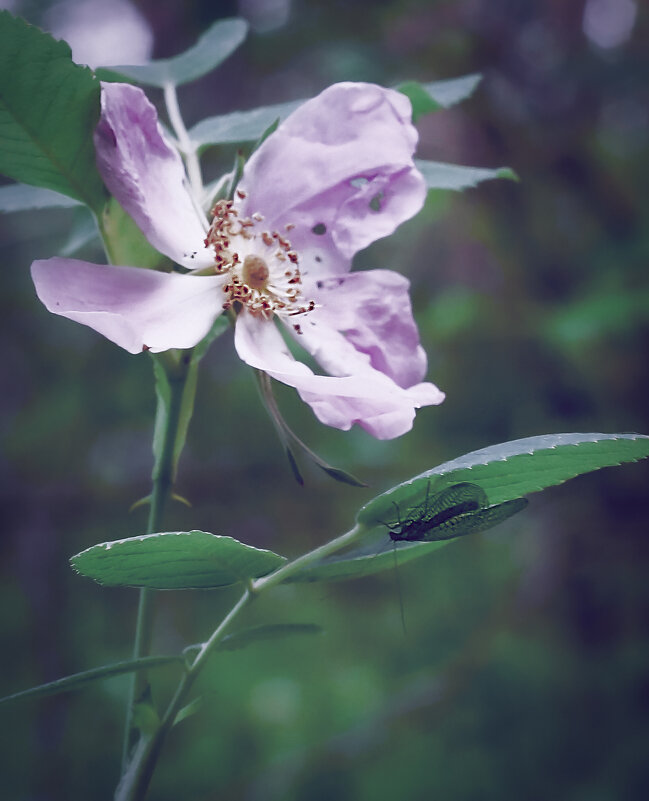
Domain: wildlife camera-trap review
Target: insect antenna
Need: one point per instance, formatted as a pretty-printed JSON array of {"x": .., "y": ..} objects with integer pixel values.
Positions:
[{"x": 397, "y": 576}]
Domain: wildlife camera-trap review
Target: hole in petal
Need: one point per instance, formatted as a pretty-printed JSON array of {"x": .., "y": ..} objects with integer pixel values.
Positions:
[
  {"x": 375, "y": 202},
  {"x": 359, "y": 183},
  {"x": 319, "y": 229}
]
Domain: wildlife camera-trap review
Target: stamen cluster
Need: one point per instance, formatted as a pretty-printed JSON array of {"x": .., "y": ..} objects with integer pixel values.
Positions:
[{"x": 262, "y": 267}]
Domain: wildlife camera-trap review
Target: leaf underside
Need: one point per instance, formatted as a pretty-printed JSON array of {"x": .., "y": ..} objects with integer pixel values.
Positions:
[
  {"x": 217, "y": 43},
  {"x": 439, "y": 175},
  {"x": 505, "y": 472}
]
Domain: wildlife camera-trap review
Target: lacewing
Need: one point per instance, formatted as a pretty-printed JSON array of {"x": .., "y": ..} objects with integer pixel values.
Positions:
[{"x": 455, "y": 511}]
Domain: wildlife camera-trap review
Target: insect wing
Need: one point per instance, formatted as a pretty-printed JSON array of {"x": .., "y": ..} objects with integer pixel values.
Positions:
[
  {"x": 423, "y": 520},
  {"x": 473, "y": 522}
]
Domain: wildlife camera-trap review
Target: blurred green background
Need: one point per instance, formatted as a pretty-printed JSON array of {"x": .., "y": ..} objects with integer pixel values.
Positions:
[{"x": 523, "y": 671}]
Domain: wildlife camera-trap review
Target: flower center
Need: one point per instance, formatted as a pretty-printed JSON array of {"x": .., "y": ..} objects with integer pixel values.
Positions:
[
  {"x": 262, "y": 268},
  {"x": 255, "y": 272}
]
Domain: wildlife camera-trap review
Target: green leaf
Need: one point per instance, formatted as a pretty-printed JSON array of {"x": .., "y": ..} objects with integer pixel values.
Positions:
[
  {"x": 514, "y": 469},
  {"x": 372, "y": 556},
  {"x": 22, "y": 197},
  {"x": 124, "y": 241},
  {"x": 255, "y": 634},
  {"x": 374, "y": 552},
  {"x": 213, "y": 47},
  {"x": 453, "y": 90},
  {"x": 427, "y": 97},
  {"x": 82, "y": 233},
  {"x": 78, "y": 680},
  {"x": 453, "y": 176},
  {"x": 188, "y": 710},
  {"x": 240, "y": 126},
  {"x": 505, "y": 472},
  {"x": 49, "y": 108},
  {"x": 175, "y": 560}
]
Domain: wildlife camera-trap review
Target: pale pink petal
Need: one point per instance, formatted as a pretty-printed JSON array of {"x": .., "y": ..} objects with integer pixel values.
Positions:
[
  {"x": 146, "y": 175},
  {"x": 365, "y": 396},
  {"x": 340, "y": 168},
  {"x": 372, "y": 310},
  {"x": 137, "y": 309}
]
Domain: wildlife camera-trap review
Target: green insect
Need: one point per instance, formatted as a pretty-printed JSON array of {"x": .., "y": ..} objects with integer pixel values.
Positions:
[{"x": 457, "y": 510}]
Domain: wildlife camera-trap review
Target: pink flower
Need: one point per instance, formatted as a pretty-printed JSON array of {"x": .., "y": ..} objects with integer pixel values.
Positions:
[{"x": 335, "y": 176}]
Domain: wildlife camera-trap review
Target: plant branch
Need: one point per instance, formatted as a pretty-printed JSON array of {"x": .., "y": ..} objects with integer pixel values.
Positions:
[
  {"x": 186, "y": 146},
  {"x": 176, "y": 368},
  {"x": 136, "y": 778}
]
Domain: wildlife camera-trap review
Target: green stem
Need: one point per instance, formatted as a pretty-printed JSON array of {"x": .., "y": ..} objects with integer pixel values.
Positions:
[
  {"x": 273, "y": 579},
  {"x": 176, "y": 369},
  {"x": 135, "y": 780},
  {"x": 187, "y": 147}
]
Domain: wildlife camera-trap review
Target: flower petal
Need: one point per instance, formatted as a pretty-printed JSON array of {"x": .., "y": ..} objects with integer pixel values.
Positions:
[
  {"x": 340, "y": 168},
  {"x": 137, "y": 309},
  {"x": 372, "y": 310},
  {"x": 146, "y": 175},
  {"x": 367, "y": 397}
]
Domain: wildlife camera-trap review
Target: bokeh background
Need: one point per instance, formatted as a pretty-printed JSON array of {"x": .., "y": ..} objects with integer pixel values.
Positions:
[{"x": 523, "y": 669}]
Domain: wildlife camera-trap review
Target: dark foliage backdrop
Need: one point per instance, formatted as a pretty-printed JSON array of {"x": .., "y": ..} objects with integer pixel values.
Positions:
[{"x": 522, "y": 671}]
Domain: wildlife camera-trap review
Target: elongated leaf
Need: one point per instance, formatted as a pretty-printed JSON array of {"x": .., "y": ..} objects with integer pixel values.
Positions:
[
  {"x": 213, "y": 47},
  {"x": 505, "y": 472},
  {"x": 22, "y": 197},
  {"x": 49, "y": 108},
  {"x": 427, "y": 97},
  {"x": 240, "y": 126},
  {"x": 78, "y": 680},
  {"x": 373, "y": 556},
  {"x": 175, "y": 560},
  {"x": 190, "y": 709},
  {"x": 376, "y": 552},
  {"x": 255, "y": 634},
  {"x": 82, "y": 233},
  {"x": 454, "y": 176},
  {"x": 514, "y": 469}
]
